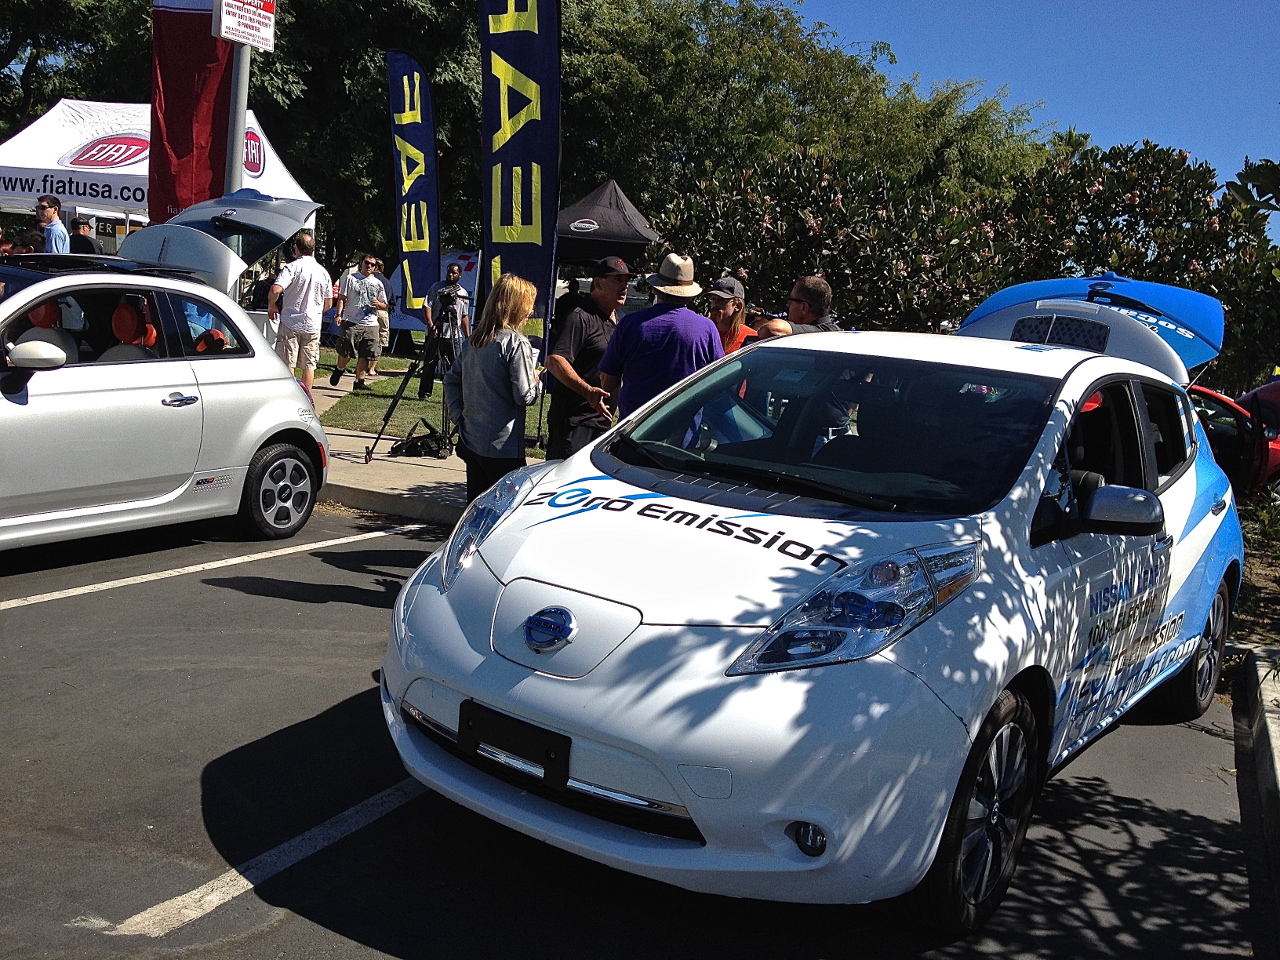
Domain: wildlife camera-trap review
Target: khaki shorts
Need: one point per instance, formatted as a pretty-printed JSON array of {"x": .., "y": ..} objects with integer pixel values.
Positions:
[
  {"x": 298, "y": 349},
  {"x": 359, "y": 341},
  {"x": 384, "y": 328}
]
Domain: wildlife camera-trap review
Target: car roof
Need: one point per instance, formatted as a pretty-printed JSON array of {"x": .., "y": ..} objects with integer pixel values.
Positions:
[
  {"x": 1036, "y": 359},
  {"x": 39, "y": 265}
]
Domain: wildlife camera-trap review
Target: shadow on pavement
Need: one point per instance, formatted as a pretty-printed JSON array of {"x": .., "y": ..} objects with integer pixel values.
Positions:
[
  {"x": 387, "y": 570},
  {"x": 1102, "y": 876}
]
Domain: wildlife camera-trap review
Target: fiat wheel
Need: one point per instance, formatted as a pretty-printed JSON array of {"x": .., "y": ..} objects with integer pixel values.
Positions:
[
  {"x": 279, "y": 491},
  {"x": 988, "y": 820},
  {"x": 1187, "y": 694}
]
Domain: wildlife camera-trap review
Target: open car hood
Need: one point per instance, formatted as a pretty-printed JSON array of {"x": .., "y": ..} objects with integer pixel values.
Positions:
[
  {"x": 218, "y": 239},
  {"x": 1170, "y": 328}
]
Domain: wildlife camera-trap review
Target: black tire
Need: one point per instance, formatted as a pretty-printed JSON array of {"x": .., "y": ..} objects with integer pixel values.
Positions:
[
  {"x": 279, "y": 492},
  {"x": 987, "y": 822},
  {"x": 1187, "y": 694}
]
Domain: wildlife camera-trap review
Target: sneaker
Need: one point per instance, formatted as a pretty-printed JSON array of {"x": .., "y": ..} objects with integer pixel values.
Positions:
[
  {"x": 361, "y": 385},
  {"x": 335, "y": 377}
]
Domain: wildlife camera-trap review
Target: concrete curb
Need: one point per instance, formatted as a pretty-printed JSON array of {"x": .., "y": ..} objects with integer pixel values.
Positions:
[
  {"x": 393, "y": 504},
  {"x": 1257, "y": 690}
]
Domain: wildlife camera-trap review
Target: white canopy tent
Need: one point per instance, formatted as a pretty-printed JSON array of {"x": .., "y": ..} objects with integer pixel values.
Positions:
[{"x": 93, "y": 157}]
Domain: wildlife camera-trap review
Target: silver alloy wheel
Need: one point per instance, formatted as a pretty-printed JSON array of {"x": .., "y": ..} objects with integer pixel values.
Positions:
[
  {"x": 285, "y": 493},
  {"x": 995, "y": 814},
  {"x": 1209, "y": 650}
]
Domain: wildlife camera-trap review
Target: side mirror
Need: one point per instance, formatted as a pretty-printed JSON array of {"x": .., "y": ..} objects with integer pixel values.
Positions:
[
  {"x": 1126, "y": 511},
  {"x": 36, "y": 355},
  {"x": 24, "y": 360}
]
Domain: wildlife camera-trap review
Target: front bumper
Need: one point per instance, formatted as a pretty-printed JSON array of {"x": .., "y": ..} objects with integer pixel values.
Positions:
[{"x": 865, "y": 750}]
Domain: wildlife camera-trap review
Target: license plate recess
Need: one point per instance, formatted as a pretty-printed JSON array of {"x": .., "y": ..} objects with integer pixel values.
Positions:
[{"x": 479, "y": 724}]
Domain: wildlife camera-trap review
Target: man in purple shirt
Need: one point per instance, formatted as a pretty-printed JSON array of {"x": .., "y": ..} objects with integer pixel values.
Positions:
[{"x": 655, "y": 348}]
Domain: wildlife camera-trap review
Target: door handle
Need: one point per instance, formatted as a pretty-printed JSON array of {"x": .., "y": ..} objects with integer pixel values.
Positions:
[
  {"x": 1218, "y": 507},
  {"x": 1162, "y": 543},
  {"x": 178, "y": 400}
]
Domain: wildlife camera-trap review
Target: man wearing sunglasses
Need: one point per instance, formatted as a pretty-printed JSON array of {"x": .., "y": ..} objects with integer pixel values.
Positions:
[
  {"x": 56, "y": 239},
  {"x": 808, "y": 310},
  {"x": 360, "y": 297}
]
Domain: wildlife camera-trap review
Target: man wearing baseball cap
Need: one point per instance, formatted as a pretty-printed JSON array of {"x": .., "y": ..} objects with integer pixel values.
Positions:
[
  {"x": 580, "y": 409},
  {"x": 656, "y": 348}
]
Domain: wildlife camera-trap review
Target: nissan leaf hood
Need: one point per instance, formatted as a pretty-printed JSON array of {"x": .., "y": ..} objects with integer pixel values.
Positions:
[
  {"x": 678, "y": 561},
  {"x": 217, "y": 239}
]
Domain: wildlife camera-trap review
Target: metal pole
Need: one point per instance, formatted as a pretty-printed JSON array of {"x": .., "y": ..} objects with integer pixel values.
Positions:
[{"x": 234, "y": 178}]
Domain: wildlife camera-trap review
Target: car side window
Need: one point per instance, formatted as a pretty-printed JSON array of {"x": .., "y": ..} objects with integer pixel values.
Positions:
[
  {"x": 1168, "y": 444},
  {"x": 206, "y": 330},
  {"x": 1103, "y": 444},
  {"x": 98, "y": 325}
]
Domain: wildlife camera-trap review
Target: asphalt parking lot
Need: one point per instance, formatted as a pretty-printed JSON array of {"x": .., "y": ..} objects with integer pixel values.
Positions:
[{"x": 193, "y": 761}]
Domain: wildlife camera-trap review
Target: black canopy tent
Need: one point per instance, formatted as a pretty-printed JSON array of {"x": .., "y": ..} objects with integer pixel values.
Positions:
[{"x": 604, "y": 223}]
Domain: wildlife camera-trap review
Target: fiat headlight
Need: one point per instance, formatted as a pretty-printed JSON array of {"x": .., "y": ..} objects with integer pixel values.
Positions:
[
  {"x": 484, "y": 514},
  {"x": 862, "y": 609}
]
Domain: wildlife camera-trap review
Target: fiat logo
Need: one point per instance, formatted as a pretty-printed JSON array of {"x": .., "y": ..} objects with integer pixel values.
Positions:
[
  {"x": 255, "y": 158},
  {"x": 549, "y": 629},
  {"x": 117, "y": 150}
]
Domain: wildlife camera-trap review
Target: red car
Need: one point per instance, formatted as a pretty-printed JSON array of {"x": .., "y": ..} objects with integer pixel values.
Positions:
[{"x": 1251, "y": 458}]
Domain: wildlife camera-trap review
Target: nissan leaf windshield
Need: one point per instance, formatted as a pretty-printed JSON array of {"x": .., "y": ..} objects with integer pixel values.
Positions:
[{"x": 886, "y": 435}]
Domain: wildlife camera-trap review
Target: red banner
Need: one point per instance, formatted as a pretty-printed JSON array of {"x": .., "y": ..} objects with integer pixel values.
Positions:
[{"x": 190, "y": 104}]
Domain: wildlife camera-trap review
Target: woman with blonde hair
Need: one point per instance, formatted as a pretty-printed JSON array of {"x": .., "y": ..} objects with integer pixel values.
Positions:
[{"x": 491, "y": 383}]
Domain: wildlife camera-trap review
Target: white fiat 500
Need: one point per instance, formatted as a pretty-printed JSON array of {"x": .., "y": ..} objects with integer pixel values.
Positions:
[
  {"x": 817, "y": 623},
  {"x": 135, "y": 392}
]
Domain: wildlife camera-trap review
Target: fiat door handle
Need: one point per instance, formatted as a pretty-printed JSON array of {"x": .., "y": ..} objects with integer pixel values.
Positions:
[
  {"x": 1218, "y": 507},
  {"x": 178, "y": 400}
]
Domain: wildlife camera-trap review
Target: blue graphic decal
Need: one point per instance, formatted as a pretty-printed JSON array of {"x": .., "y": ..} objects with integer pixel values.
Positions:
[{"x": 1211, "y": 484}]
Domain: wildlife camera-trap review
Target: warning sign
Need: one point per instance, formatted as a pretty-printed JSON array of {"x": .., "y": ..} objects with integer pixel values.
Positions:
[{"x": 246, "y": 21}]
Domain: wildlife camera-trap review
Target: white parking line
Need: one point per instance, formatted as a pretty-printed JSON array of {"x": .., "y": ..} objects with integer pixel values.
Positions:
[
  {"x": 201, "y": 567},
  {"x": 170, "y": 915}
]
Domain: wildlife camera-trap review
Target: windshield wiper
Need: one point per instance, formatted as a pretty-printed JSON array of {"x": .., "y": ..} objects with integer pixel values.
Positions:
[
  {"x": 644, "y": 453},
  {"x": 785, "y": 482}
]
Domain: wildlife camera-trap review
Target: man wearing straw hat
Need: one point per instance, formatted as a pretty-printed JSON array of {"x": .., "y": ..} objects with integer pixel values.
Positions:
[{"x": 656, "y": 348}]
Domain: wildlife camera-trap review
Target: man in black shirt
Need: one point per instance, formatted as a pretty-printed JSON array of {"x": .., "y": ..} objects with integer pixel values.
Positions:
[
  {"x": 580, "y": 410},
  {"x": 82, "y": 239}
]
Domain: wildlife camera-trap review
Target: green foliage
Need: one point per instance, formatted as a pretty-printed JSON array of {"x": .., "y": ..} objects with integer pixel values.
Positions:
[
  {"x": 93, "y": 49},
  {"x": 910, "y": 255},
  {"x": 1257, "y": 185}
]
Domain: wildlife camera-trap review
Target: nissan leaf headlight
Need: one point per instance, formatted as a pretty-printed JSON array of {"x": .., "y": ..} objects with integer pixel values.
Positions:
[
  {"x": 484, "y": 514},
  {"x": 862, "y": 609}
]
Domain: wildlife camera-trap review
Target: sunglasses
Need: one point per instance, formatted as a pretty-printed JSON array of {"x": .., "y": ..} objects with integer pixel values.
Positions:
[
  {"x": 368, "y": 263},
  {"x": 44, "y": 206},
  {"x": 796, "y": 300}
]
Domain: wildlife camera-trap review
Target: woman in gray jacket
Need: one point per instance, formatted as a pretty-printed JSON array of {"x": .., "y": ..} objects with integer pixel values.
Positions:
[{"x": 491, "y": 383}]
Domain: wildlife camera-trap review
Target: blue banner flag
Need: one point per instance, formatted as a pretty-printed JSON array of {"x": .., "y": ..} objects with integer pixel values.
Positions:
[
  {"x": 520, "y": 152},
  {"x": 413, "y": 149}
]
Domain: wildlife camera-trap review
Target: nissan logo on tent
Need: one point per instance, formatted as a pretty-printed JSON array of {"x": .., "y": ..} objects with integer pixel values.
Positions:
[
  {"x": 584, "y": 226},
  {"x": 116, "y": 150}
]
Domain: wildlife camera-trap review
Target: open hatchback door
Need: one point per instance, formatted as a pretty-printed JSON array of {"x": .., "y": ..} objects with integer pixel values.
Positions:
[
  {"x": 218, "y": 239},
  {"x": 1169, "y": 328}
]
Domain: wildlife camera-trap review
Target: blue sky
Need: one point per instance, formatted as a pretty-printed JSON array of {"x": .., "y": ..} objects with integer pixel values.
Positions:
[{"x": 1203, "y": 77}]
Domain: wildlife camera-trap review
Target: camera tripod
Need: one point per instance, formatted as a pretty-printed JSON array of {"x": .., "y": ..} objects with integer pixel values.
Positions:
[{"x": 430, "y": 346}]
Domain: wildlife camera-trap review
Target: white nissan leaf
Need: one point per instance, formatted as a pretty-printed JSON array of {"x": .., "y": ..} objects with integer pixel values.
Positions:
[{"x": 817, "y": 623}]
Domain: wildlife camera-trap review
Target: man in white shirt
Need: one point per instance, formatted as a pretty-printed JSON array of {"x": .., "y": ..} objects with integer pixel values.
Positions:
[
  {"x": 360, "y": 297},
  {"x": 307, "y": 293}
]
